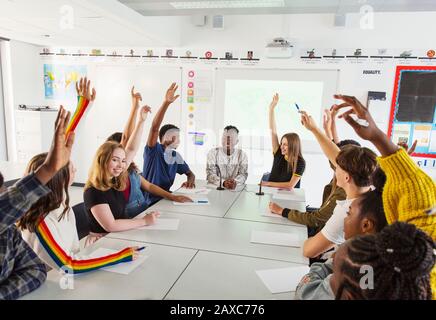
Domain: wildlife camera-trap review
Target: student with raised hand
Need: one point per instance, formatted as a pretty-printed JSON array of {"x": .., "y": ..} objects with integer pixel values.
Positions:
[
  {"x": 232, "y": 162},
  {"x": 21, "y": 271},
  {"x": 103, "y": 196},
  {"x": 137, "y": 186},
  {"x": 353, "y": 168},
  {"x": 329, "y": 125},
  {"x": 49, "y": 227},
  {"x": 316, "y": 219},
  {"x": 365, "y": 216},
  {"x": 409, "y": 194},
  {"x": 161, "y": 160},
  {"x": 289, "y": 164},
  {"x": 396, "y": 265}
]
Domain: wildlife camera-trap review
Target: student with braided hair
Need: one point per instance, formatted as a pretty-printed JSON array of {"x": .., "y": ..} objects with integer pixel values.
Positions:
[
  {"x": 409, "y": 194},
  {"x": 365, "y": 216},
  {"x": 397, "y": 261}
]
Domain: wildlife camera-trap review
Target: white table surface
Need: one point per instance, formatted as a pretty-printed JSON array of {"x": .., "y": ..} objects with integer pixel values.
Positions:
[
  {"x": 219, "y": 202},
  {"x": 219, "y": 235},
  {"x": 249, "y": 206},
  {"x": 151, "y": 280},
  {"x": 217, "y": 276}
]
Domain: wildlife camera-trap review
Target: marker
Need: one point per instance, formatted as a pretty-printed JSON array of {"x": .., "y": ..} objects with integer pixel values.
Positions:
[
  {"x": 140, "y": 248},
  {"x": 298, "y": 108}
]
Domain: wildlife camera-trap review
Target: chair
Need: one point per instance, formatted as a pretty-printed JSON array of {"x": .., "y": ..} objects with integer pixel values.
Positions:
[{"x": 82, "y": 220}]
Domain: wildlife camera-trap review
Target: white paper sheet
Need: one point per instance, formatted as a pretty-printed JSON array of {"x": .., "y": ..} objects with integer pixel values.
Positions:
[
  {"x": 121, "y": 268},
  {"x": 283, "y": 279},
  {"x": 276, "y": 238},
  {"x": 163, "y": 224},
  {"x": 268, "y": 213},
  {"x": 294, "y": 195},
  {"x": 193, "y": 191},
  {"x": 196, "y": 202}
]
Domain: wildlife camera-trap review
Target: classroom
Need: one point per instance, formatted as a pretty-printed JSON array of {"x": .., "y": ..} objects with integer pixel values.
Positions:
[{"x": 252, "y": 150}]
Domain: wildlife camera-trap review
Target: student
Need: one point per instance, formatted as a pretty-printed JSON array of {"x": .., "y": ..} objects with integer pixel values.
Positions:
[
  {"x": 137, "y": 187},
  {"x": 365, "y": 216},
  {"x": 409, "y": 194},
  {"x": 103, "y": 196},
  {"x": 329, "y": 125},
  {"x": 233, "y": 163},
  {"x": 289, "y": 164},
  {"x": 353, "y": 168},
  {"x": 316, "y": 219},
  {"x": 397, "y": 263},
  {"x": 161, "y": 161},
  {"x": 21, "y": 271},
  {"x": 49, "y": 227}
]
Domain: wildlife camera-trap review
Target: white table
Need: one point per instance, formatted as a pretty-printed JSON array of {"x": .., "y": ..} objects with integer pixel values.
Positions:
[
  {"x": 219, "y": 202},
  {"x": 217, "y": 276},
  {"x": 249, "y": 206},
  {"x": 151, "y": 280},
  {"x": 12, "y": 171},
  {"x": 219, "y": 235}
]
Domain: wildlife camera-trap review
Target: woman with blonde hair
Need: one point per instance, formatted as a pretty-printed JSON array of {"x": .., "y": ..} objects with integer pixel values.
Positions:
[{"x": 103, "y": 196}]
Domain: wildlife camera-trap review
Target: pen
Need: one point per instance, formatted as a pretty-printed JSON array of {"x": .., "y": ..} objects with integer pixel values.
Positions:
[
  {"x": 298, "y": 108},
  {"x": 140, "y": 248},
  {"x": 202, "y": 201}
]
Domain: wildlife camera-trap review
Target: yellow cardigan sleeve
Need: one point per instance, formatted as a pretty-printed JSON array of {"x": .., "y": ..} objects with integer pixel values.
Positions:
[{"x": 408, "y": 194}]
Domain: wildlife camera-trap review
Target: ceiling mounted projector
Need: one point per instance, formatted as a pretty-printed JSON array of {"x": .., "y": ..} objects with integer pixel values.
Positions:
[{"x": 279, "y": 48}]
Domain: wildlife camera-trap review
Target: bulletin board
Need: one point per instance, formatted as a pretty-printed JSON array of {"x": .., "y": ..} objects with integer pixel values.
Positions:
[{"x": 413, "y": 109}]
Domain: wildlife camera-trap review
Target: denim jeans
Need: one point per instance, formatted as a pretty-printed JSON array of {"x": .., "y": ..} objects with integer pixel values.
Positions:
[{"x": 137, "y": 200}]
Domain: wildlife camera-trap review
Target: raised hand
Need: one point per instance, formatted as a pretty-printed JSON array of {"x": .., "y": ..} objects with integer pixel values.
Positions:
[
  {"x": 144, "y": 112},
  {"x": 136, "y": 97},
  {"x": 368, "y": 132},
  {"x": 307, "y": 121},
  {"x": 170, "y": 96},
  {"x": 60, "y": 150},
  {"x": 327, "y": 122},
  {"x": 83, "y": 88},
  {"x": 406, "y": 147},
  {"x": 274, "y": 101}
]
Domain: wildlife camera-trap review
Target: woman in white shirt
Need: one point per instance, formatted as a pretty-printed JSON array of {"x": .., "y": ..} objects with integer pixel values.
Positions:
[{"x": 354, "y": 166}]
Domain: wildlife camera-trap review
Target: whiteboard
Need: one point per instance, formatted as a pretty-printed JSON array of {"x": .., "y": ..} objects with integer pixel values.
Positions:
[
  {"x": 111, "y": 108},
  {"x": 311, "y": 89}
]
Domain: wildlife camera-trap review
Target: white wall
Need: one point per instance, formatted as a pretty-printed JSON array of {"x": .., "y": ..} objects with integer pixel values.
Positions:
[{"x": 391, "y": 30}]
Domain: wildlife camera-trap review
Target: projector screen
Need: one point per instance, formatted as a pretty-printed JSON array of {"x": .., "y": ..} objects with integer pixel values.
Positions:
[{"x": 243, "y": 97}]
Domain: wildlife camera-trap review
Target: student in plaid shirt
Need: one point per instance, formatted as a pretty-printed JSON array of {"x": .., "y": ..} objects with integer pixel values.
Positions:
[{"x": 21, "y": 271}]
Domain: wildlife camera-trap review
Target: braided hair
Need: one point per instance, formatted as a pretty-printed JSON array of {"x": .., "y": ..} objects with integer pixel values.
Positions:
[
  {"x": 401, "y": 256},
  {"x": 371, "y": 202}
]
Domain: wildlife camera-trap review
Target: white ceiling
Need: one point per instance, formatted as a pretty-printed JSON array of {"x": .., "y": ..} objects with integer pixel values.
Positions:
[
  {"x": 95, "y": 23},
  {"x": 164, "y": 7},
  {"x": 140, "y": 23}
]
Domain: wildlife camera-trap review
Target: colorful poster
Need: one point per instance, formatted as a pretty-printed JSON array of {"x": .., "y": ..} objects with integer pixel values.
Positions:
[
  {"x": 59, "y": 80},
  {"x": 422, "y": 134},
  {"x": 401, "y": 133}
]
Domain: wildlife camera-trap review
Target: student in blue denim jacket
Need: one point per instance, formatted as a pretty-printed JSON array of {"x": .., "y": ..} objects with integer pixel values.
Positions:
[{"x": 138, "y": 187}]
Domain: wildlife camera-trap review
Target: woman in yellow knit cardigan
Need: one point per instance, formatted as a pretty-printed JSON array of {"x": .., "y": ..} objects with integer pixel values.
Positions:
[{"x": 409, "y": 194}]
